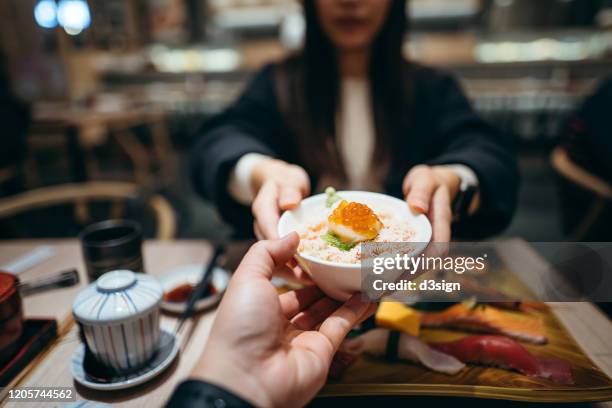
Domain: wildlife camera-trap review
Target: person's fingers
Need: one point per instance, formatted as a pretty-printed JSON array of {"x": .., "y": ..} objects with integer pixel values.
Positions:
[
  {"x": 294, "y": 274},
  {"x": 289, "y": 197},
  {"x": 301, "y": 275},
  {"x": 437, "y": 249},
  {"x": 354, "y": 345},
  {"x": 441, "y": 216},
  {"x": 295, "y": 301},
  {"x": 369, "y": 312},
  {"x": 258, "y": 234},
  {"x": 266, "y": 211},
  {"x": 338, "y": 325},
  {"x": 420, "y": 185},
  {"x": 265, "y": 257},
  {"x": 315, "y": 314},
  {"x": 282, "y": 250},
  {"x": 302, "y": 180},
  {"x": 414, "y": 173},
  {"x": 292, "y": 263}
]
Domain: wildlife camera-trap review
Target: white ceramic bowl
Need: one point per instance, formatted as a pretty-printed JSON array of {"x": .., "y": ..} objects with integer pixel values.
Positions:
[
  {"x": 341, "y": 280},
  {"x": 119, "y": 318}
]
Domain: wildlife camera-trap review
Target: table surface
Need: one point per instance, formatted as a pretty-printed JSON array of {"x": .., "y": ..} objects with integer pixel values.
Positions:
[{"x": 585, "y": 322}]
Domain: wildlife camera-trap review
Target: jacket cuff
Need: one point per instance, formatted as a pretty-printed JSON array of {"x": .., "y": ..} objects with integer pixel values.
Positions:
[
  {"x": 239, "y": 184},
  {"x": 196, "y": 393}
]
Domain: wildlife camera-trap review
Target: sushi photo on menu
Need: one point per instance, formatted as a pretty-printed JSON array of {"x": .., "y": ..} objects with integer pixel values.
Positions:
[{"x": 305, "y": 203}]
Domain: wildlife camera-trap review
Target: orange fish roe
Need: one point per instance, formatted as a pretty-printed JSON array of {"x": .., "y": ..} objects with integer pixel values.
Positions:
[
  {"x": 317, "y": 227},
  {"x": 358, "y": 217}
]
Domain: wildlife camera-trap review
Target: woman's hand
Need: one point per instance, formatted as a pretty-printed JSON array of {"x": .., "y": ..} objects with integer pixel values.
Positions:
[
  {"x": 275, "y": 350},
  {"x": 431, "y": 190},
  {"x": 279, "y": 186}
]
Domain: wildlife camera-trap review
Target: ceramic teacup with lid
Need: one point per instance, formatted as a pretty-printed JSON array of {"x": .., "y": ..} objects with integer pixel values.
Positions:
[{"x": 119, "y": 318}]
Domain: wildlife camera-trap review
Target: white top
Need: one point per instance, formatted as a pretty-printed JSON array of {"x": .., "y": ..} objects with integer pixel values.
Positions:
[
  {"x": 355, "y": 139},
  {"x": 356, "y": 136}
]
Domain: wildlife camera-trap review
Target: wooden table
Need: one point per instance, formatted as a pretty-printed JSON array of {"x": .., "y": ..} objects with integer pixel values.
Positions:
[{"x": 584, "y": 321}]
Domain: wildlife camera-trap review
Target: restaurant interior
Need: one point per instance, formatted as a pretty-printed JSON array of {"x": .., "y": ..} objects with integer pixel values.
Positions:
[{"x": 103, "y": 101}]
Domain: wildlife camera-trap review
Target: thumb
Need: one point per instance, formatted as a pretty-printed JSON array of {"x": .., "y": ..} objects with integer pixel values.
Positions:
[{"x": 265, "y": 257}]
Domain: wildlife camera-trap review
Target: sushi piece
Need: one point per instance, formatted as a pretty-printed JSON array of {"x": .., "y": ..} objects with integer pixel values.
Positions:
[
  {"x": 487, "y": 319},
  {"x": 375, "y": 342},
  {"x": 524, "y": 306},
  {"x": 397, "y": 316},
  {"x": 340, "y": 363},
  {"x": 353, "y": 222},
  {"x": 506, "y": 353}
]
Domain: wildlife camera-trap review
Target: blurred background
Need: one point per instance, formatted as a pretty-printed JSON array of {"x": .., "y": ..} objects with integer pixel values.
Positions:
[{"x": 100, "y": 102}]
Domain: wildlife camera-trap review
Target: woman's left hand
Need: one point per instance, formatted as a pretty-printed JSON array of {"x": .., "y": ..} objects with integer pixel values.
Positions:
[{"x": 431, "y": 190}]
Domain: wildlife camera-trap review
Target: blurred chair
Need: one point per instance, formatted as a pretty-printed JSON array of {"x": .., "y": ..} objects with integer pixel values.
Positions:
[
  {"x": 600, "y": 189},
  {"x": 7, "y": 174},
  {"x": 81, "y": 196},
  {"x": 79, "y": 131}
]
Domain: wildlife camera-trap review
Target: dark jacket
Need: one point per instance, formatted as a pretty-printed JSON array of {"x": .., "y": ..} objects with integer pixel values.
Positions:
[
  {"x": 588, "y": 139},
  {"x": 200, "y": 394},
  {"x": 14, "y": 116},
  {"x": 443, "y": 129}
]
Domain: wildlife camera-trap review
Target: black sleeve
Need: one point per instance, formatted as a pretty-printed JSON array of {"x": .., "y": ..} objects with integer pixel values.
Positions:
[
  {"x": 464, "y": 138},
  {"x": 15, "y": 117},
  {"x": 251, "y": 125},
  {"x": 195, "y": 393},
  {"x": 587, "y": 137}
]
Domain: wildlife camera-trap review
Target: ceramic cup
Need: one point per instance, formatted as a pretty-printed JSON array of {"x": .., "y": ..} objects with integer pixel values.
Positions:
[
  {"x": 119, "y": 319},
  {"x": 112, "y": 245}
]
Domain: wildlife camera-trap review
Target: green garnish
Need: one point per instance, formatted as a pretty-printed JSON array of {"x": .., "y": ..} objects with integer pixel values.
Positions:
[
  {"x": 472, "y": 303},
  {"x": 334, "y": 240},
  {"x": 332, "y": 197}
]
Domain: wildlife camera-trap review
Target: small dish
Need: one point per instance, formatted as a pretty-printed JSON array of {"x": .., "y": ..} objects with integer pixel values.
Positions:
[
  {"x": 191, "y": 274},
  {"x": 164, "y": 356}
]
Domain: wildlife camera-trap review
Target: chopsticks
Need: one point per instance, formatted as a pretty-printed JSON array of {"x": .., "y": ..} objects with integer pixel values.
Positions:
[
  {"x": 63, "y": 279},
  {"x": 198, "y": 291}
]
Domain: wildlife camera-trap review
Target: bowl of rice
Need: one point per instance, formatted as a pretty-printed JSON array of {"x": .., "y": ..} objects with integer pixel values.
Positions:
[{"x": 333, "y": 266}]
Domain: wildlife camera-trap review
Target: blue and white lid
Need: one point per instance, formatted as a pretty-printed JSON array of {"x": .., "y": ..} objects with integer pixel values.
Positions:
[{"x": 117, "y": 296}]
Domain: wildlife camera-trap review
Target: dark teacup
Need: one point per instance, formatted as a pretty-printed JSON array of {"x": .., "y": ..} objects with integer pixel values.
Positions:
[{"x": 112, "y": 245}]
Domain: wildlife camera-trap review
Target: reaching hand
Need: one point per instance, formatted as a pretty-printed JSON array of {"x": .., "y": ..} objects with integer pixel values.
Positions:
[
  {"x": 430, "y": 190},
  {"x": 275, "y": 350},
  {"x": 279, "y": 186}
]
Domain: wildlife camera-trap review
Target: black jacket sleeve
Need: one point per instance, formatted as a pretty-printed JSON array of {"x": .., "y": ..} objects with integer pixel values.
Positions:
[
  {"x": 15, "y": 117},
  {"x": 251, "y": 125},
  {"x": 199, "y": 394},
  {"x": 464, "y": 138}
]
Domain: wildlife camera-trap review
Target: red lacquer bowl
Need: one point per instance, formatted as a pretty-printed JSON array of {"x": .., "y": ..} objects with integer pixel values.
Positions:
[{"x": 11, "y": 316}]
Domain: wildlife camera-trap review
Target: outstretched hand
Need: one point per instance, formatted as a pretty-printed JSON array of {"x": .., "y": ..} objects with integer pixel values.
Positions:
[
  {"x": 430, "y": 190},
  {"x": 279, "y": 186},
  {"x": 275, "y": 350}
]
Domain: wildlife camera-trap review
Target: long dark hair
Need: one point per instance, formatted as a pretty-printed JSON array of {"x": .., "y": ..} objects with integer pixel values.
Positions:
[{"x": 309, "y": 87}]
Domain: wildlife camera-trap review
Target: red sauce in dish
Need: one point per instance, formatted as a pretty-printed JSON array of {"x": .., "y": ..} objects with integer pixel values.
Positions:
[{"x": 183, "y": 292}]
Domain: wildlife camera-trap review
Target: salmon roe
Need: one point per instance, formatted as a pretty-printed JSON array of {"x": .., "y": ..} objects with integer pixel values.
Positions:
[{"x": 359, "y": 217}]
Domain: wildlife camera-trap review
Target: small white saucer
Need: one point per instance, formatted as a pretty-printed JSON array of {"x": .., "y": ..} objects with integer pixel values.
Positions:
[
  {"x": 192, "y": 274},
  {"x": 165, "y": 356}
]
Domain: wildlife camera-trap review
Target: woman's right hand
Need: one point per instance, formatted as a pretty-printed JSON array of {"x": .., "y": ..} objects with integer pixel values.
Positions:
[{"x": 278, "y": 186}]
